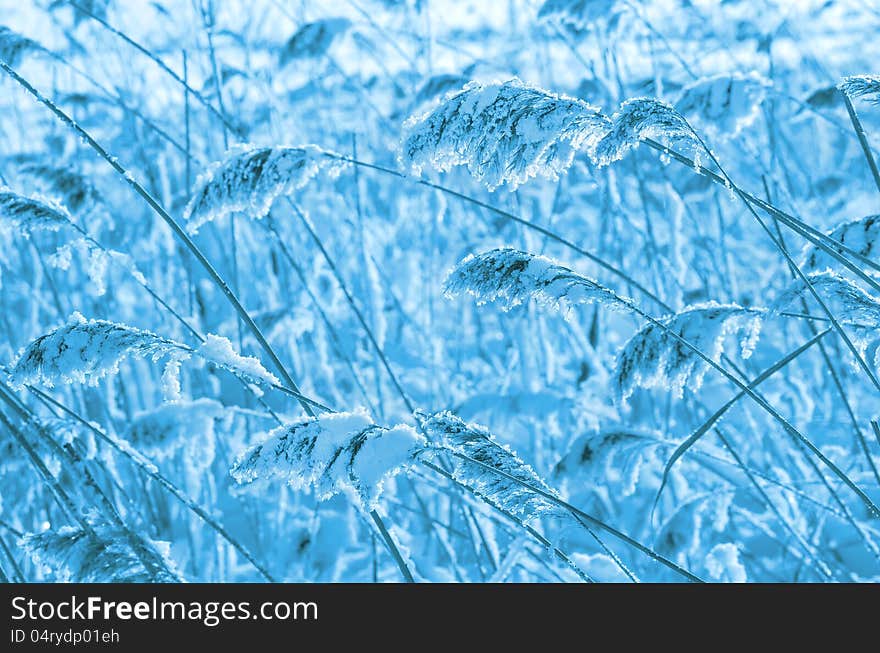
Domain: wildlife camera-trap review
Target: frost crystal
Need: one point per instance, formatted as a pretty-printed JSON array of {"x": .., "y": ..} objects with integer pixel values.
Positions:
[
  {"x": 505, "y": 132},
  {"x": 638, "y": 119},
  {"x": 653, "y": 358},
  {"x": 96, "y": 262},
  {"x": 27, "y": 213},
  {"x": 862, "y": 236},
  {"x": 453, "y": 434},
  {"x": 332, "y": 453},
  {"x": 867, "y": 86},
  {"x": 724, "y": 104},
  {"x": 511, "y": 277},
  {"x": 86, "y": 350},
  {"x": 249, "y": 179},
  {"x": 171, "y": 381}
]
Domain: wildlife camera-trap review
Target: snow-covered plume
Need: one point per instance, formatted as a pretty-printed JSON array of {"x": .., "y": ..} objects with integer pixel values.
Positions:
[
  {"x": 638, "y": 119},
  {"x": 29, "y": 213},
  {"x": 509, "y": 276},
  {"x": 504, "y": 132},
  {"x": 337, "y": 452},
  {"x": 107, "y": 556},
  {"x": 314, "y": 39},
  {"x": 250, "y": 178},
  {"x": 581, "y": 14},
  {"x": 862, "y": 236},
  {"x": 450, "y": 433},
  {"x": 866, "y": 86},
  {"x": 653, "y": 358},
  {"x": 724, "y": 104},
  {"x": 85, "y": 351}
]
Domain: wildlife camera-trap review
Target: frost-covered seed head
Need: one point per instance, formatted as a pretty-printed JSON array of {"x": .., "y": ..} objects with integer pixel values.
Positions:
[
  {"x": 849, "y": 302},
  {"x": 504, "y": 132},
  {"x": 30, "y": 213},
  {"x": 612, "y": 455},
  {"x": 866, "y": 86},
  {"x": 331, "y": 453},
  {"x": 250, "y": 178},
  {"x": 314, "y": 39},
  {"x": 71, "y": 187},
  {"x": 510, "y": 276},
  {"x": 72, "y": 553},
  {"x": 162, "y": 431},
  {"x": 653, "y": 358},
  {"x": 449, "y": 432},
  {"x": 13, "y": 45},
  {"x": 86, "y": 351},
  {"x": 638, "y": 119}
]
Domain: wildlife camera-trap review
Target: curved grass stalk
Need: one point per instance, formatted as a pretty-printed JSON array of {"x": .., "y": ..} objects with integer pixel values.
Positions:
[
  {"x": 164, "y": 135},
  {"x": 17, "y": 576},
  {"x": 367, "y": 330},
  {"x": 789, "y": 428},
  {"x": 58, "y": 493},
  {"x": 150, "y": 562},
  {"x": 392, "y": 547},
  {"x": 285, "y": 251},
  {"x": 809, "y": 550}
]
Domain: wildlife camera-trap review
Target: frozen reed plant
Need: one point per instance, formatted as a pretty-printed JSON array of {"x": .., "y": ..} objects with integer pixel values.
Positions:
[{"x": 505, "y": 133}]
